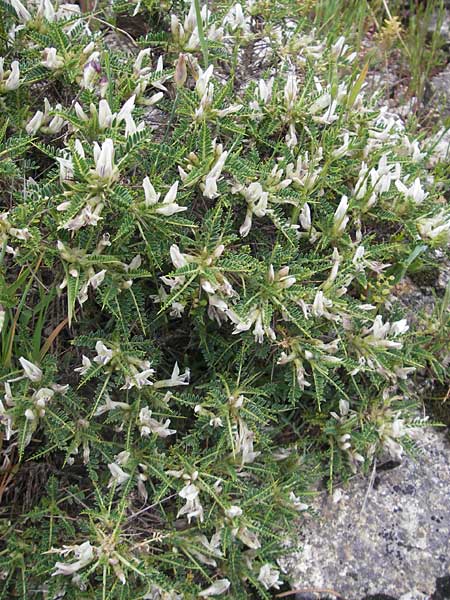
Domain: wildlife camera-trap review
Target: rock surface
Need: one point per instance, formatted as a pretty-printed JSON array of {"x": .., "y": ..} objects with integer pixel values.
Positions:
[
  {"x": 440, "y": 91},
  {"x": 441, "y": 22},
  {"x": 385, "y": 538}
]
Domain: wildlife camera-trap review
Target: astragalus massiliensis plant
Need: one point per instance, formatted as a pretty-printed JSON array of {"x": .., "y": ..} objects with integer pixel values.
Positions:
[{"x": 196, "y": 273}]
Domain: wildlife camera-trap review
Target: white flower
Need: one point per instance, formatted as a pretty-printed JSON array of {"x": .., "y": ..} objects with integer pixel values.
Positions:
[
  {"x": 85, "y": 366},
  {"x": 281, "y": 279},
  {"x": 29, "y": 415},
  {"x": 264, "y": 90},
  {"x": 235, "y": 19},
  {"x": 20, "y": 234},
  {"x": 84, "y": 553},
  {"x": 91, "y": 70},
  {"x": 104, "y": 160},
  {"x": 233, "y": 511},
  {"x": 229, "y": 110},
  {"x": 92, "y": 215},
  {"x": 297, "y": 503},
  {"x": 154, "y": 99},
  {"x": 46, "y": 10},
  {"x": 305, "y": 171},
  {"x": 216, "y": 589},
  {"x": 290, "y": 91},
  {"x": 206, "y": 104},
  {"x": 404, "y": 372},
  {"x": 210, "y": 190},
  {"x": 21, "y": 11},
  {"x": 118, "y": 475},
  {"x": 269, "y": 577},
  {"x": 105, "y": 115},
  {"x": 130, "y": 126},
  {"x": 361, "y": 184},
  {"x": 42, "y": 397},
  {"x": 249, "y": 538},
  {"x": 80, "y": 112},
  {"x": 382, "y": 177},
  {"x": 192, "y": 508},
  {"x": 31, "y": 371},
  {"x": 344, "y": 407},
  {"x": 257, "y": 204},
  {"x": 126, "y": 110},
  {"x": 291, "y": 136},
  {"x": 51, "y": 59},
  {"x": 138, "y": 379},
  {"x": 339, "y": 48},
  {"x": 342, "y": 150},
  {"x": 415, "y": 191},
  {"x": 179, "y": 260},
  {"x": 212, "y": 546},
  {"x": 151, "y": 197},
  {"x": 255, "y": 317},
  {"x": 394, "y": 448},
  {"x": 76, "y": 223},
  {"x": 336, "y": 258},
  {"x": 244, "y": 439},
  {"x": 322, "y": 102},
  {"x": 435, "y": 228},
  {"x": 412, "y": 149},
  {"x": 6, "y": 419},
  {"x": 97, "y": 279},
  {"x": 380, "y": 329},
  {"x": 137, "y": 8},
  {"x": 150, "y": 425},
  {"x": 320, "y": 304},
  {"x": 89, "y": 48},
  {"x": 175, "y": 379},
  {"x": 56, "y": 123},
  {"x": 35, "y": 123},
  {"x": 340, "y": 218},
  {"x": 329, "y": 115},
  {"x": 203, "y": 80},
  {"x": 376, "y": 335},
  {"x": 104, "y": 354},
  {"x": 13, "y": 81},
  {"x": 110, "y": 405},
  {"x": 438, "y": 148},
  {"x": 305, "y": 217},
  {"x": 137, "y": 67},
  {"x": 169, "y": 207},
  {"x": 399, "y": 327},
  {"x": 357, "y": 257},
  {"x": 244, "y": 229}
]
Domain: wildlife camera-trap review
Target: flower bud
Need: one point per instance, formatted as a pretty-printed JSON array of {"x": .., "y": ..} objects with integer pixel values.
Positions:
[{"x": 180, "y": 71}]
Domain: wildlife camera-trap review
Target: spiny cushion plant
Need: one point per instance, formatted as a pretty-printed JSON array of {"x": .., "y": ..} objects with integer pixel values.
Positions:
[{"x": 195, "y": 261}]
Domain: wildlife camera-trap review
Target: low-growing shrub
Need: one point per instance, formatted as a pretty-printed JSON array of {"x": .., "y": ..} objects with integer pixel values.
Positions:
[{"x": 199, "y": 234}]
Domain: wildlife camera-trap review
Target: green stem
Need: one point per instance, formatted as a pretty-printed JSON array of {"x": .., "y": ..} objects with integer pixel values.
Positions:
[
  {"x": 295, "y": 214},
  {"x": 201, "y": 33}
]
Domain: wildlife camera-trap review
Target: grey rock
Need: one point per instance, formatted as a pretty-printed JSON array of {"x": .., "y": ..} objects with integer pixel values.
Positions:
[
  {"x": 389, "y": 536},
  {"x": 443, "y": 23},
  {"x": 439, "y": 91},
  {"x": 414, "y": 595}
]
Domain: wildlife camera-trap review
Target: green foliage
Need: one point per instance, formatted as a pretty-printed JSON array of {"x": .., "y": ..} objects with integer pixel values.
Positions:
[{"x": 196, "y": 286}]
